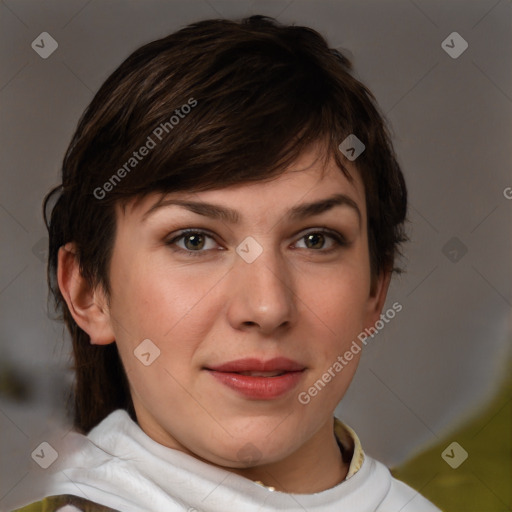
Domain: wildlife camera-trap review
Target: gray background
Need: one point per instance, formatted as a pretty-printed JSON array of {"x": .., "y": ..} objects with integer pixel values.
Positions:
[{"x": 442, "y": 357}]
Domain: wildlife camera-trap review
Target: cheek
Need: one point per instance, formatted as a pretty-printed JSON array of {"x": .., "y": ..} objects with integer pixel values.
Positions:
[
  {"x": 154, "y": 304},
  {"x": 153, "y": 298},
  {"x": 166, "y": 305},
  {"x": 335, "y": 315},
  {"x": 336, "y": 301}
]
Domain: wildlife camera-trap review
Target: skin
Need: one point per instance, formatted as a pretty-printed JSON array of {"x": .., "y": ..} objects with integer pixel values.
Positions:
[{"x": 305, "y": 299}]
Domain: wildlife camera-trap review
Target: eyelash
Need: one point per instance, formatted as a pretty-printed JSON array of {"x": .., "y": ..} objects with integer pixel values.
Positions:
[{"x": 339, "y": 240}]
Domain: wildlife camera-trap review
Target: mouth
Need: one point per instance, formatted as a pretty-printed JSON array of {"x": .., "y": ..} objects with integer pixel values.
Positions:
[
  {"x": 262, "y": 374},
  {"x": 257, "y": 379},
  {"x": 254, "y": 365}
]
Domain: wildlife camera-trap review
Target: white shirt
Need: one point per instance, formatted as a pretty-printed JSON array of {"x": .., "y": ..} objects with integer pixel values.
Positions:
[{"x": 120, "y": 466}]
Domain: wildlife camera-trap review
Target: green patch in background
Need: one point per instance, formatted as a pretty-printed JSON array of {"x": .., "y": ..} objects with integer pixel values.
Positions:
[{"x": 482, "y": 482}]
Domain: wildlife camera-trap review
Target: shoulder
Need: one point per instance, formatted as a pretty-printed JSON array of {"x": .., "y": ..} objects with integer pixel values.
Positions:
[
  {"x": 399, "y": 496},
  {"x": 64, "y": 503}
]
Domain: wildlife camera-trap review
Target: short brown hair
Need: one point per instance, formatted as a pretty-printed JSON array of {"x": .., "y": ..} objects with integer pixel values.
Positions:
[{"x": 263, "y": 93}]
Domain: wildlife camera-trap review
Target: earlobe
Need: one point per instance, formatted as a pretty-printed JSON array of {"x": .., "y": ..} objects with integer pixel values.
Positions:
[{"x": 87, "y": 305}]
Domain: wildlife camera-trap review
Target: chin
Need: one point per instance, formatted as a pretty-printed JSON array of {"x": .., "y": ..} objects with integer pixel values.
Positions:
[{"x": 249, "y": 451}]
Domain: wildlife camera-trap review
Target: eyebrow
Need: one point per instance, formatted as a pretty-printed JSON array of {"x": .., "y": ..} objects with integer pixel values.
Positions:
[{"x": 227, "y": 214}]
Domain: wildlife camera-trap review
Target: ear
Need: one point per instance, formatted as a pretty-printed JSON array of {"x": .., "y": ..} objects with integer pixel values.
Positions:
[
  {"x": 377, "y": 297},
  {"x": 88, "y": 306}
]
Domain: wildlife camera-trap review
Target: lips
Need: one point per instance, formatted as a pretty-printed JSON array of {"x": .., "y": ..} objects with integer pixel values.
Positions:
[
  {"x": 258, "y": 379},
  {"x": 278, "y": 364},
  {"x": 261, "y": 374}
]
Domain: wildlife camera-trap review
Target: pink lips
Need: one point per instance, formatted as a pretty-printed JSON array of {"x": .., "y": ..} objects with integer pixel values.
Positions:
[{"x": 257, "y": 379}]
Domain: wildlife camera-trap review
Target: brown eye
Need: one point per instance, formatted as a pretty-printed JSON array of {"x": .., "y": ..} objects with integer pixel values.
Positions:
[
  {"x": 314, "y": 240},
  {"x": 322, "y": 241},
  {"x": 194, "y": 241}
]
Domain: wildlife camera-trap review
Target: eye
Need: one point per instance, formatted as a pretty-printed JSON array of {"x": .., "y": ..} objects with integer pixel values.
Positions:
[
  {"x": 317, "y": 239},
  {"x": 196, "y": 242},
  {"x": 193, "y": 242}
]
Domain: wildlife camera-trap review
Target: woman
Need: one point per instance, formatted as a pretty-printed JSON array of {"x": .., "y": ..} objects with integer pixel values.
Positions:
[{"x": 225, "y": 232}]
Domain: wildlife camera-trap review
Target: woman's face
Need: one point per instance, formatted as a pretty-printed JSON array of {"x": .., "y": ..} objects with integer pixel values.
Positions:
[{"x": 223, "y": 330}]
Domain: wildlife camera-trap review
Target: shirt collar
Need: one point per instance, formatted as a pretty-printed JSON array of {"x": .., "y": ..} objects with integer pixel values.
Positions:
[{"x": 351, "y": 447}]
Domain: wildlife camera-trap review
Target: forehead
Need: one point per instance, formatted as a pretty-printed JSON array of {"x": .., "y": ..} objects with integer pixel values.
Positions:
[{"x": 310, "y": 177}]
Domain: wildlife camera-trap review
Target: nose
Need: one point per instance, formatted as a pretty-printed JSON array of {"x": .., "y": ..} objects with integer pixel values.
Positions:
[{"x": 261, "y": 294}]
